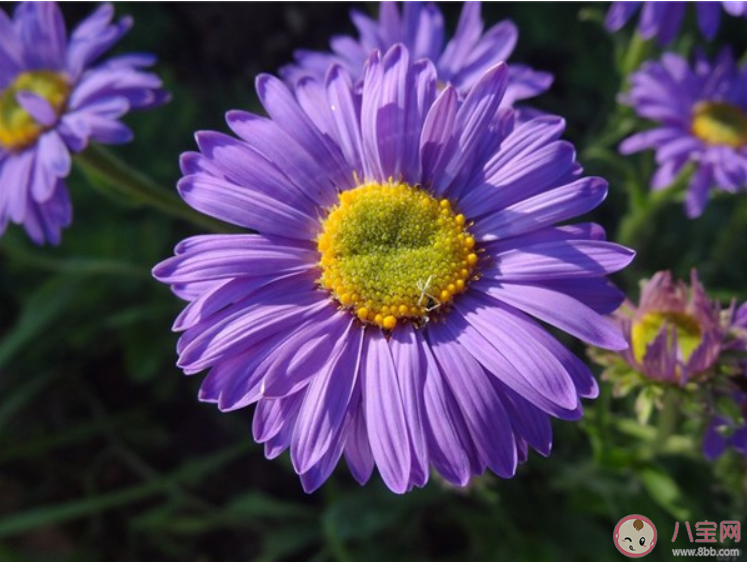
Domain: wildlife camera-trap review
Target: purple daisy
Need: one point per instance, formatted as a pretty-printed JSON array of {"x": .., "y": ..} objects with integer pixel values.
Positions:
[
  {"x": 53, "y": 102},
  {"x": 420, "y": 27},
  {"x": 702, "y": 120},
  {"x": 384, "y": 311},
  {"x": 730, "y": 429},
  {"x": 663, "y": 19},
  {"x": 724, "y": 432},
  {"x": 676, "y": 334}
]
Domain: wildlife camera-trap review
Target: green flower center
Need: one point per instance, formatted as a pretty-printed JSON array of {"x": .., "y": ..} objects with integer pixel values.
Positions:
[
  {"x": 392, "y": 252},
  {"x": 686, "y": 327},
  {"x": 720, "y": 123},
  {"x": 18, "y": 129}
]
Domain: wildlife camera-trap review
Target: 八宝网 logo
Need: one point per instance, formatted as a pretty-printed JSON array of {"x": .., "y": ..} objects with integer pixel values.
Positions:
[{"x": 635, "y": 536}]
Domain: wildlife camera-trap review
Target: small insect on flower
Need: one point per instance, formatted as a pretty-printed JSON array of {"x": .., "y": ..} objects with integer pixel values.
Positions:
[
  {"x": 701, "y": 113},
  {"x": 55, "y": 98},
  {"x": 420, "y": 27},
  {"x": 431, "y": 302},
  {"x": 406, "y": 239},
  {"x": 664, "y": 19}
]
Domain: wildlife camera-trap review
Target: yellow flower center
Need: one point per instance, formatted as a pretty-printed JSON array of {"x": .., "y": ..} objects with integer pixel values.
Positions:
[
  {"x": 392, "y": 253},
  {"x": 648, "y": 328},
  {"x": 18, "y": 129},
  {"x": 720, "y": 123}
]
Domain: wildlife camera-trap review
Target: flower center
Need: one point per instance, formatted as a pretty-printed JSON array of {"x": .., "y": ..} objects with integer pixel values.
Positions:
[
  {"x": 648, "y": 328},
  {"x": 720, "y": 123},
  {"x": 18, "y": 128},
  {"x": 392, "y": 252}
]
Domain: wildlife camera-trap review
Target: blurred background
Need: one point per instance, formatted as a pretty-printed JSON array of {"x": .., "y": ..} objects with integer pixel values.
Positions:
[{"x": 105, "y": 452}]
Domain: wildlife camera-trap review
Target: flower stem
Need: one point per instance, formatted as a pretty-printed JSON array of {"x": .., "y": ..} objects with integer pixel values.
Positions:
[
  {"x": 667, "y": 420},
  {"x": 637, "y": 52},
  {"x": 141, "y": 189},
  {"x": 644, "y": 205}
]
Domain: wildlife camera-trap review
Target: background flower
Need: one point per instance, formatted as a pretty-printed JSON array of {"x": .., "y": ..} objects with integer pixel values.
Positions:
[
  {"x": 724, "y": 432},
  {"x": 443, "y": 379},
  {"x": 675, "y": 333},
  {"x": 420, "y": 27},
  {"x": 663, "y": 19},
  {"x": 54, "y": 99},
  {"x": 701, "y": 112}
]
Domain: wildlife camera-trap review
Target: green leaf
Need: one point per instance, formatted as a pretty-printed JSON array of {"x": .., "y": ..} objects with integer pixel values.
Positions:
[
  {"x": 47, "y": 305},
  {"x": 665, "y": 491}
]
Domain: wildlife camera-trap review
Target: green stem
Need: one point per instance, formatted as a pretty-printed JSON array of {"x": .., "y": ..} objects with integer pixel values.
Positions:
[
  {"x": 42, "y": 516},
  {"x": 79, "y": 266},
  {"x": 135, "y": 186},
  {"x": 633, "y": 227},
  {"x": 637, "y": 52},
  {"x": 644, "y": 205},
  {"x": 667, "y": 420},
  {"x": 335, "y": 543}
]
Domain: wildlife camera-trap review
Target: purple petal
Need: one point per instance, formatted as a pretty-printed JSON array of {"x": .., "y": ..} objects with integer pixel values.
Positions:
[
  {"x": 302, "y": 355},
  {"x": 561, "y": 311},
  {"x": 544, "y": 209},
  {"x": 437, "y": 134},
  {"x": 273, "y": 416},
  {"x": 546, "y": 167},
  {"x": 385, "y": 416},
  {"x": 308, "y": 171},
  {"x": 43, "y": 29},
  {"x": 714, "y": 443},
  {"x": 495, "y": 339},
  {"x": 325, "y": 405},
  {"x": 533, "y": 425},
  {"x": 52, "y": 162},
  {"x": 697, "y": 194},
  {"x": 619, "y": 14},
  {"x": 479, "y": 402},
  {"x": 38, "y": 107},
  {"x": 243, "y": 207},
  {"x": 709, "y": 17},
  {"x": 282, "y": 107},
  {"x": 473, "y": 119},
  {"x": 407, "y": 361},
  {"x": 373, "y": 77},
  {"x": 270, "y": 310},
  {"x": 449, "y": 443},
  {"x": 244, "y": 166},
  {"x": 345, "y": 115},
  {"x": 223, "y": 256},
  {"x": 561, "y": 259},
  {"x": 649, "y": 139},
  {"x": 16, "y": 171},
  {"x": 358, "y": 453}
]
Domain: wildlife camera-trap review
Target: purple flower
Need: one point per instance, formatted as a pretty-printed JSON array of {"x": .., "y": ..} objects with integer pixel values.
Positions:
[
  {"x": 663, "y": 19},
  {"x": 729, "y": 428},
  {"x": 54, "y": 99},
  {"x": 420, "y": 27},
  {"x": 723, "y": 431},
  {"x": 384, "y": 311},
  {"x": 702, "y": 120},
  {"x": 676, "y": 334}
]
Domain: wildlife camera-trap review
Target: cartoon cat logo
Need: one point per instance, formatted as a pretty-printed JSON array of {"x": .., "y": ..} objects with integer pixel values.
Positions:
[{"x": 635, "y": 536}]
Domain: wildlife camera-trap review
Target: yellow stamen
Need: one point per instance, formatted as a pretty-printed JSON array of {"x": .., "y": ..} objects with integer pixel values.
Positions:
[
  {"x": 720, "y": 123},
  {"x": 646, "y": 330},
  {"x": 392, "y": 252},
  {"x": 18, "y": 129}
]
